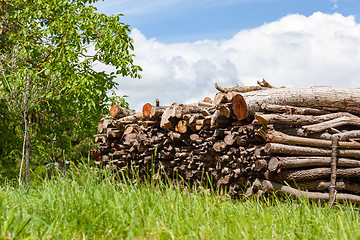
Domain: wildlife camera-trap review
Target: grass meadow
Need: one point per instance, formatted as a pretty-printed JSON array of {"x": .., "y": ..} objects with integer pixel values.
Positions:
[{"x": 89, "y": 203}]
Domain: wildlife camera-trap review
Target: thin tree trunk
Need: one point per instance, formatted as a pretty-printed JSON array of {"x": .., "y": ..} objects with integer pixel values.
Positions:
[{"x": 27, "y": 133}]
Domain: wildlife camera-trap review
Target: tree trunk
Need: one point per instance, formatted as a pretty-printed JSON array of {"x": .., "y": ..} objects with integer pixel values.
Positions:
[
  {"x": 325, "y": 98},
  {"x": 27, "y": 134}
]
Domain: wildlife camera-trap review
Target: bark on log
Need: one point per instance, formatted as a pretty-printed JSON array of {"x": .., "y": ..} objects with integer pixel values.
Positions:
[
  {"x": 299, "y": 120},
  {"x": 293, "y": 110},
  {"x": 278, "y": 137},
  {"x": 348, "y": 135},
  {"x": 341, "y": 121},
  {"x": 326, "y": 98},
  {"x": 302, "y": 162},
  {"x": 271, "y": 148},
  {"x": 333, "y": 173},
  {"x": 314, "y": 173},
  {"x": 323, "y": 185},
  {"x": 239, "y": 89},
  {"x": 269, "y": 186},
  {"x": 120, "y": 112}
]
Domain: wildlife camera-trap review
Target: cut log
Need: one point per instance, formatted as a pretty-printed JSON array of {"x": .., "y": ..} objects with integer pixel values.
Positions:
[
  {"x": 314, "y": 173},
  {"x": 293, "y": 110},
  {"x": 207, "y": 100},
  {"x": 271, "y": 148},
  {"x": 268, "y": 186},
  {"x": 323, "y": 185},
  {"x": 326, "y": 98},
  {"x": 278, "y": 137},
  {"x": 181, "y": 127},
  {"x": 120, "y": 112},
  {"x": 298, "y": 120},
  {"x": 348, "y": 135},
  {"x": 220, "y": 98},
  {"x": 302, "y": 162},
  {"x": 341, "y": 121},
  {"x": 238, "y": 88},
  {"x": 219, "y": 146},
  {"x": 239, "y": 107}
]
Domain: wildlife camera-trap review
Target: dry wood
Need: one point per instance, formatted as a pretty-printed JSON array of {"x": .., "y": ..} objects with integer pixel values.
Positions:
[
  {"x": 272, "y": 148},
  {"x": 302, "y": 162},
  {"x": 181, "y": 127},
  {"x": 207, "y": 100},
  {"x": 225, "y": 110},
  {"x": 119, "y": 112},
  {"x": 335, "y": 144},
  {"x": 220, "y": 98},
  {"x": 326, "y": 98},
  {"x": 348, "y": 135},
  {"x": 219, "y": 146},
  {"x": 298, "y": 120},
  {"x": 269, "y": 186},
  {"x": 341, "y": 121},
  {"x": 314, "y": 173},
  {"x": 238, "y": 88},
  {"x": 293, "y": 110},
  {"x": 278, "y": 137},
  {"x": 323, "y": 185}
]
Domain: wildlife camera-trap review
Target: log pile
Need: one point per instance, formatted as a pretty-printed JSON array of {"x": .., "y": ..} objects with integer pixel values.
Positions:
[{"x": 300, "y": 141}]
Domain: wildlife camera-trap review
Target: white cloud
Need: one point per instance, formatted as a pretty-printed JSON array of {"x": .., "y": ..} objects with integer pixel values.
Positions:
[{"x": 296, "y": 50}]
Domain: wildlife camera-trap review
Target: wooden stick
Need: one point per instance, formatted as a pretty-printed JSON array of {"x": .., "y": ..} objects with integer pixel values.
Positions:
[
  {"x": 341, "y": 121},
  {"x": 332, "y": 190},
  {"x": 299, "y": 120},
  {"x": 314, "y": 173},
  {"x": 278, "y": 137},
  {"x": 272, "y": 148},
  {"x": 269, "y": 186},
  {"x": 278, "y": 162},
  {"x": 292, "y": 109}
]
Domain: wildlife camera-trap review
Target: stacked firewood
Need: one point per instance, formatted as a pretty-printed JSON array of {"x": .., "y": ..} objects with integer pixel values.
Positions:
[{"x": 258, "y": 138}]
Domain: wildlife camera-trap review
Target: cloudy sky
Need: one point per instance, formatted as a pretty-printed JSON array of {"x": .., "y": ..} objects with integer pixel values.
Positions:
[{"x": 185, "y": 46}]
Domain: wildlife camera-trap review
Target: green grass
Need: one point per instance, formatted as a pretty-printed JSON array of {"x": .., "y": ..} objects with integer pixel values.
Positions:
[{"x": 95, "y": 206}]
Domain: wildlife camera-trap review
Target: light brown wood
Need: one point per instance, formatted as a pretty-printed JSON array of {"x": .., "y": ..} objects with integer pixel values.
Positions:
[
  {"x": 341, "y": 121},
  {"x": 278, "y": 137},
  {"x": 302, "y": 162},
  {"x": 325, "y": 98},
  {"x": 315, "y": 173},
  {"x": 292, "y": 109},
  {"x": 269, "y": 186},
  {"x": 298, "y": 120},
  {"x": 119, "y": 112},
  {"x": 277, "y": 148},
  {"x": 332, "y": 187}
]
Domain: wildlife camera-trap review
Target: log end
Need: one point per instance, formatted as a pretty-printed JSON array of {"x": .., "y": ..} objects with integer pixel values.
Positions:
[
  {"x": 239, "y": 107},
  {"x": 114, "y": 110},
  {"x": 273, "y": 164},
  {"x": 147, "y": 110},
  {"x": 207, "y": 100}
]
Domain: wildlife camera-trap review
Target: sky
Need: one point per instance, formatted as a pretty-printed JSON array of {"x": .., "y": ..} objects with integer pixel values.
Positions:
[{"x": 185, "y": 46}]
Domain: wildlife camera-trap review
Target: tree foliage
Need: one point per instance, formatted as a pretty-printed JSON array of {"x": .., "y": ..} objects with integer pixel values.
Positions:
[{"x": 57, "y": 43}]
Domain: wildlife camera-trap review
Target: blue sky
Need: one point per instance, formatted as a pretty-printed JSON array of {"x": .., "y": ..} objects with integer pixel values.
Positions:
[
  {"x": 185, "y": 46},
  {"x": 192, "y": 20}
]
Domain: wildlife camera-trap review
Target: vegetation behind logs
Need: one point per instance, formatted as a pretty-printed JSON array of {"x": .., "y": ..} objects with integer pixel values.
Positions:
[{"x": 246, "y": 138}]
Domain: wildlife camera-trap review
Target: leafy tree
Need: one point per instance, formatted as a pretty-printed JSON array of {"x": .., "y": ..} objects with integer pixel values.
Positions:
[{"x": 57, "y": 43}]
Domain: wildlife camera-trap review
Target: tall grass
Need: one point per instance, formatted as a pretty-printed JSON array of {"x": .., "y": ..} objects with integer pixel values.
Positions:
[{"x": 91, "y": 204}]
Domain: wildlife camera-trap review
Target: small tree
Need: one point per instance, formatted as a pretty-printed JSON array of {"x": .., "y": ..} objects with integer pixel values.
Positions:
[{"x": 46, "y": 67}]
